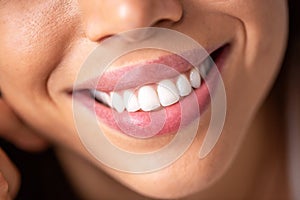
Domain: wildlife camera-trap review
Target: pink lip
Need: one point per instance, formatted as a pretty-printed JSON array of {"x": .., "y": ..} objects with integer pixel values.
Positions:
[
  {"x": 140, "y": 124},
  {"x": 146, "y": 72}
]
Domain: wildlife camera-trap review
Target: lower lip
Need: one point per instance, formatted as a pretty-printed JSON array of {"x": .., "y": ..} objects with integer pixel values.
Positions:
[{"x": 174, "y": 117}]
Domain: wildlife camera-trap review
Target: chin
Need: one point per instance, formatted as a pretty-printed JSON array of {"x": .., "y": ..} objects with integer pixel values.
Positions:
[{"x": 187, "y": 176}]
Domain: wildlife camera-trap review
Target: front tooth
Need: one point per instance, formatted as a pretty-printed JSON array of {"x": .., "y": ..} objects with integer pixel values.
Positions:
[
  {"x": 117, "y": 101},
  {"x": 130, "y": 101},
  {"x": 103, "y": 97},
  {"x": 195, "y": 78},
  {"x": 167, "y": 93},
  {"x": 147, "y": 98},
  {"x": 183, "y": 85}
]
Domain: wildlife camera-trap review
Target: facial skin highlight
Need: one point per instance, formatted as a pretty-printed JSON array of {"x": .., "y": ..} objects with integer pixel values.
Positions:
[{"x": 43, "y": 44}]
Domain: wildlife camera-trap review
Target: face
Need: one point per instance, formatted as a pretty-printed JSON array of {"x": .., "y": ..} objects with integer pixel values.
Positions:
[{"x": 45, "y": 43}]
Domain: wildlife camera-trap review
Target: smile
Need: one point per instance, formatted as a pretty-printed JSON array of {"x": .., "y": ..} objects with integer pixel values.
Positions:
[
  {"x": 155, "y": 96},
  {"x": 131, "y": 98}
]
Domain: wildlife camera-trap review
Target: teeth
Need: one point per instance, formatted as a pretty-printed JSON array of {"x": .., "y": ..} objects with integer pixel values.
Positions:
[
  {"x": 195, "y": 78},
  {"x": 130, "y": 101},
  {"x": 147, "y": 98},
  {"x": 167, "y": 92},
  {"x": 103, "y": 97},
  {"x": 117, "y": 101},
  {"x": 205, "y": 67},
  {"x": 183, "y": 85}
]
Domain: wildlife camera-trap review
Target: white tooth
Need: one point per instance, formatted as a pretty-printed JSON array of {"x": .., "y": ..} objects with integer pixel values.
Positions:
[
  {"x": 183, "y": 85},
  {"x": 130, "y": 101},
  {"x": 205, "y": 67},
  {"x": 103, "y": 97},
  {"x": 195, "y": 78},
  {"x": 147, "y": 98},
  {"x": 117, "y": 101},
  {"x": 167, "y": 93}
]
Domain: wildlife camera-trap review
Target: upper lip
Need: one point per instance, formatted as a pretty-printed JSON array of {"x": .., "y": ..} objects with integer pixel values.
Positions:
[{"x": 146, "y": 72}]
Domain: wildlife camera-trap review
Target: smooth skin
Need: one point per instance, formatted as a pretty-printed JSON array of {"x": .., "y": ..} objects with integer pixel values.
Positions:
[{"x": 44, "y": 42}]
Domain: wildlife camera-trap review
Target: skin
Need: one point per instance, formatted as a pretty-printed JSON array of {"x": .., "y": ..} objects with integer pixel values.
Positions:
[{"x": 45, "y": 43}]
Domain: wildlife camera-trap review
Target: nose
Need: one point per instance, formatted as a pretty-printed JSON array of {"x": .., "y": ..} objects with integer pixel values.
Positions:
[{"x": 104, "y": 18}]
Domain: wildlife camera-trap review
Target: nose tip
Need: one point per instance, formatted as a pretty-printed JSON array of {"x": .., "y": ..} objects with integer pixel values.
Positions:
[{"x": 105, "y": 18}]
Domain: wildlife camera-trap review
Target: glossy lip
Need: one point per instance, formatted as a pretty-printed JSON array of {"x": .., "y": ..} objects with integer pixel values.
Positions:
[
  {"x": 140, "y": 120},
  {"x": 145, "y": 72}
]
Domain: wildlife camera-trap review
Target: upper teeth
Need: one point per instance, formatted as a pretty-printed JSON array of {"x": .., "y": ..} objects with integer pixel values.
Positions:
[
  {"x": 131, "y": 101},
  {"x": 151, "y": 97}
]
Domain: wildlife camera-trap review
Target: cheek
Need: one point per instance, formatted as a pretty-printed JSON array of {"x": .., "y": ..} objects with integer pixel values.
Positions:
[
  {"x": 31, "y": 47},
  {"x": 256, "y": 61},
  {"x": 265, "y": 24},
  {"x": 266, "y": 32},
  {"x": 257, "y": 57},
  {"x": 35, "y": 36}
]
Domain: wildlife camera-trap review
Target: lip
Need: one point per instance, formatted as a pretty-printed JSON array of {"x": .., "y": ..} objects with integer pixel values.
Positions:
[
  {"x": 175, "y": 116},
  {"x": 126, "y": 77}
]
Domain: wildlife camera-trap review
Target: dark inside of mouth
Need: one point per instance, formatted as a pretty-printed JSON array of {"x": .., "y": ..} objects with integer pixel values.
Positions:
[
  {"x": 99, "y": 101},
  {"x": 214, "y": 55}
]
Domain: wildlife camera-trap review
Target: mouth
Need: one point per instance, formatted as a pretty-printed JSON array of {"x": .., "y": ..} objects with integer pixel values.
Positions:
[{"x": 153, "y": 96}]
